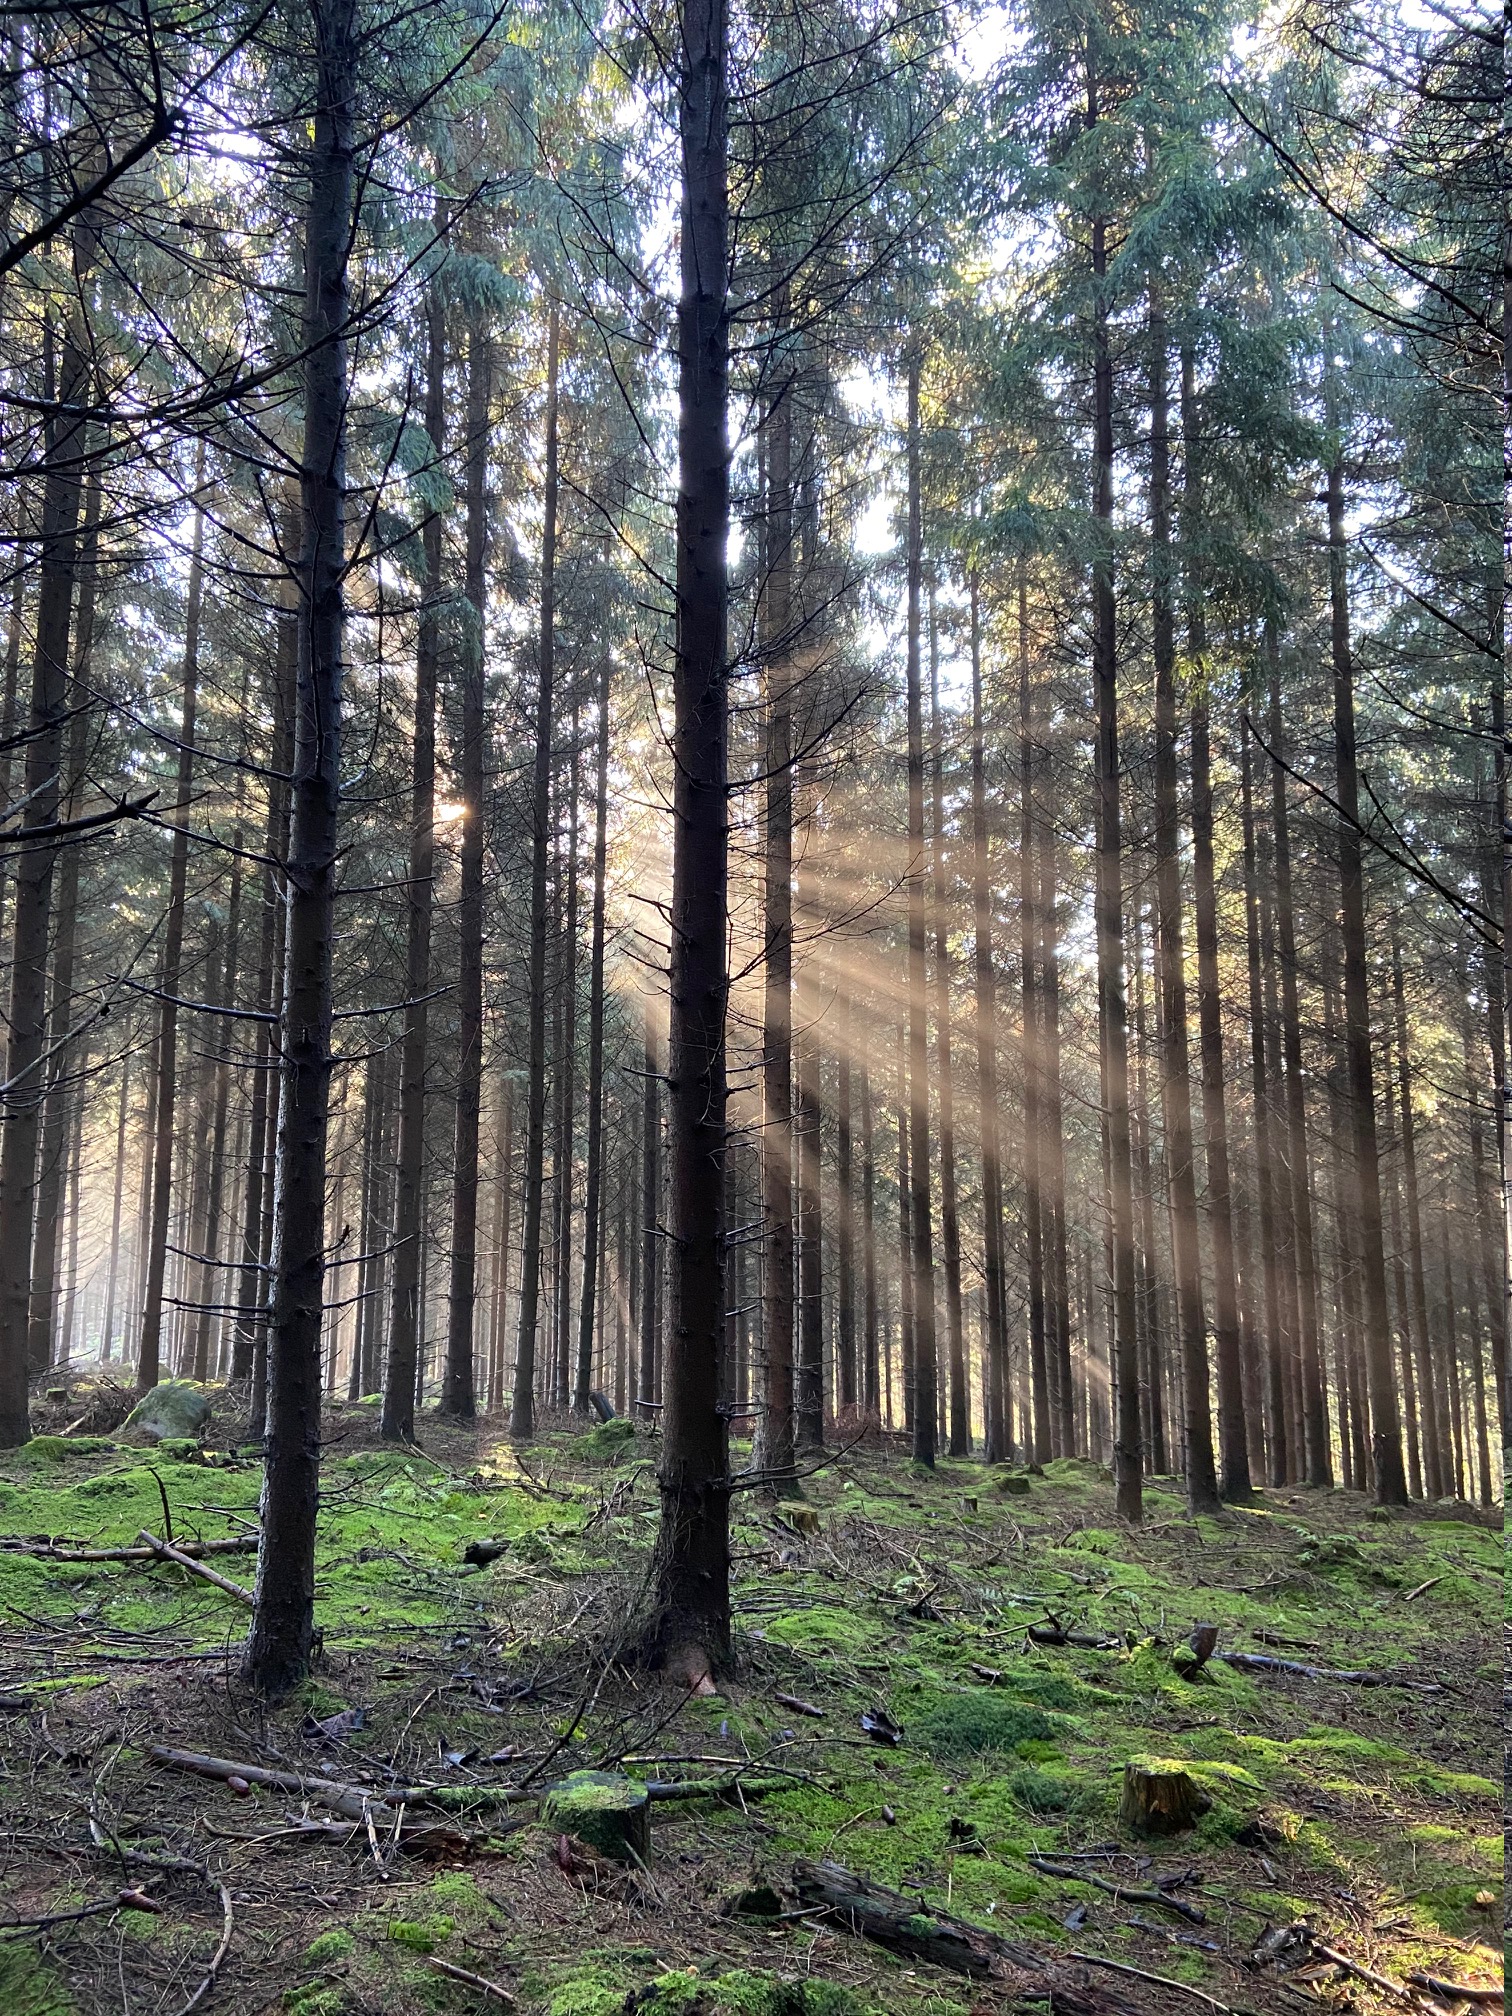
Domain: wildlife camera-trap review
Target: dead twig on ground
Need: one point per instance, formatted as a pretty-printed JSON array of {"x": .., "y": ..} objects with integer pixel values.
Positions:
[
  {"x": 180, "y": 1559},
  {"x": 480, "y": 1982},
  {"x": 1121, "y": 1891}
]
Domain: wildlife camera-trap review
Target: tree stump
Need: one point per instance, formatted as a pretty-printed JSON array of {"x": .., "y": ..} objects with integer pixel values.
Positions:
[
  {"x": 605, "y": 1811},
  {"x": 1160, "y": 1797}
]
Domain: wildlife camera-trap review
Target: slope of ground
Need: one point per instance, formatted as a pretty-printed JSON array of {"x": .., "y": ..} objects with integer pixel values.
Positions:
[{"x": 896, "y": 1710}]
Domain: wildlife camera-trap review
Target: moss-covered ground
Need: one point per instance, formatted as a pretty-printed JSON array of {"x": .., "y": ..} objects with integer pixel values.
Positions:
[{"x": 1371, "y": 1813}]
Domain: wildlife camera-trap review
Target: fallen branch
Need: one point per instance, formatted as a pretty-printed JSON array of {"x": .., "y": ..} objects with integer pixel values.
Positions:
[
  {"x": 479, "y": 1981},
  {"x": 1163, "y": 1980},
  {"x": 1263, "y": 1662},
  {"x": 354, "y": 1801},
  {"x": 217, "y": 1958},
  {"x": 1458, "y": 1991},
  {"x": 47, "y": 1550},
  {"x": 1087, "y": 1641},
  {"x": 1120, "y": 1891},
  {"x": 124, "y": 1900},
  {"x": 1361, "y": 1973},
  {"x": 180, "y": 1559}
]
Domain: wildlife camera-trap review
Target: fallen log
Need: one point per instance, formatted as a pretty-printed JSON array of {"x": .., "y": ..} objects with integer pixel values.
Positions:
[
  {"x": 1124, "y": 1893},
  {"x": 1265, "y": 1662},
  {"x": 355, "y": 1802},
  {"x": 1086, "y": 1641},
  {"x": 47, "y": 1550},
  {"x": 1457, "y": 1991},
  {"x": 904, "y": 1926},
  {"x": 166, "y": 1551}
]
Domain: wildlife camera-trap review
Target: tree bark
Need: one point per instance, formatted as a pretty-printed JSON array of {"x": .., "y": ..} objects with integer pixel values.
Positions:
[
  {"x": 1265, "y": 1175},
  {"x": 920, "y": 1221},
  {"x": 808, "y": 1145},
  {"x": 1235, "y": 1480},
  {"x": 999, "y": 1408},
  {"x": 211, "y": 1275},
  {"x": 950, "y": 1226},
  {"x": 650, "y": 1355},
  {"x": 458, "y": 1391},
  {"x": 1170, "y": 953},
  {"x": 406, "y": 1317},
  {"x": 691, "y": 1627},
  {"x": 149, "y": 1351},
  {"x": 283, "y": 1617},
  {"x": 1427, "y": 1396},
  {"x": 113, "y": 1261},
  {"x": 566, "y": 1070},
  {"x": 592, "y": 1211},
  {"x": 845, "y": 1230},
  {"x": 1390, "y": 1477},
  {"x": 871, "y": 1385},
  {"x": 1038, "y": 1442},
  {"x": 522, "y": 1411}
]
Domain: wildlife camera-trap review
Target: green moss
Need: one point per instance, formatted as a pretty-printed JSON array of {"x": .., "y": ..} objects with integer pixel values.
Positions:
[
  {"x": 821, "y": 1630},
  {"x": 607, "y": 1442},
  {"x": 31, "y": 1987},
  {"x": 587, "y": 1991},
  {"x": 1040, "y": 1791},
  {"x": 316, "y": 1999},
  {"x": 334, "y": 1945},
  {"x": 58, "y": 1448},
  {"x": 977, "y": 1719},
  {"x": 421, "y": 1935}
]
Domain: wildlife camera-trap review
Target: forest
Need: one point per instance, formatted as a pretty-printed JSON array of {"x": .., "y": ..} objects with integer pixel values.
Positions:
[{"x": 755, "y": 1128}]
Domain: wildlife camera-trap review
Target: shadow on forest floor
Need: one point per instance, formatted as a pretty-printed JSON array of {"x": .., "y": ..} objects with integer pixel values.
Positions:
[{"x": 1369, "y": 1813}]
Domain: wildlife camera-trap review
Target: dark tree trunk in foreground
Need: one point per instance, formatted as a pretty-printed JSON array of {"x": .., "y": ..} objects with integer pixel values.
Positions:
[
  {"x": 522, "y": 1411},
  {"x": 1390, "y": 1477},
  {"x": 165, "y": 1097},
  {"x": 845, "y": 1242},
  {"x": 1235, "y": 1480},
  {"x": 1112, "y": 1005},
  {"x": 999, "y": 1408},
  {"x": 871, "y": 1379},
  {"x": 283, "y": 1618},
  {"x": 406, "y": 1318},
  {"x": 27, "y": 1018},
  {"x": 1176, "y": 1084},
  {"x": 690, "y": 1630},
  {"x": 920, "y": 1223},
  {"x": 458, "y": 1394},
  {"x": 592, "y": 1213},
  {"x": 650, "y": 1178},
  {"x": 1037, "y": 1430}
]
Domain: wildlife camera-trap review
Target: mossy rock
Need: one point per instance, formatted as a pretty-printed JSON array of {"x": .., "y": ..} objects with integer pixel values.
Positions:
[
  {"x": 181, "y": 1449},
  {"x": 58, "y": 1448},
  {"x": 607, "y": 1442},
  {"x": 176, "y": 1410},
  {"x": 606, "y": 1811}
]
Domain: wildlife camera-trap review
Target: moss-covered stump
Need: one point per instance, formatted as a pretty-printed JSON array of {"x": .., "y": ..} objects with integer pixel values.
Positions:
[
  {"x": 605, "y": 1811},
  {"x": 1160, "y": 1797}
]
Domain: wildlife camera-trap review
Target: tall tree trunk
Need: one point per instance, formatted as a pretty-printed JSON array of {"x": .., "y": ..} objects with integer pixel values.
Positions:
[
  {"x": 999, "y": 1408},
  {"x": 691, "y": 1630},
  {"x": 1434, "y": 1440},
  {"x": 1390, "y": 1477},
  {"x": 1148, "y": 1265},
  {"x": 950, "y": 1227},
  {"x": 1052, "y": 1150},
  {"x": 776, "y": 1427},
  {"x": 458, "y": 1395},
  {"x": 651, "y": 1230},
  {"x": 845, "y": 1228},
  {"x": 1265, "y": 1173},
  {"x": 871, "y": 1388},
  {"x": 808, "y": 1147},
  {"x": 1487, "y": 1225},
  {"x": 373, "y": 1129},
  {"x": 1112, "y": 1005},
  {"x": 1038, "y": 1443},
  {"x": 566, "y": 1069},
  {"x": 1235, "y": 1479},
  {"x": 920, "y": 1222},
  {"x": 1170, "y": 954},
  {"x": 113, "y": 1260},
  {"x": 503, "y": 1198},
  {"x": 61, "y": 1098},
  {"x": 1318, "y": 1460},
  {"x": 283, "y": 1616},
  {"x": 592, "y": 1209},
  {"x": 406, "y": 1317},
  {"x": 905, "y": 1242},
  {"x": 63, "y": 443},
  {"x": 212, "y": 1276},
  {"x": 522, "y": 1411},
  {"x": 150, "y": 1349}
]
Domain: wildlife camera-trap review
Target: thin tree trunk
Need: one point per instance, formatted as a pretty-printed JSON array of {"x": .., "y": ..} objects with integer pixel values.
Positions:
[
  {"x": 1390, "y": 1477},
  {"x": 1112, "y": 1006},
  {"x": 691, "y": 1631},
  {"x": 905, "y": 1242},
  {"x": 871, "y": 1391},
  {"x": 1265, "y": 1176},
  {"x": 150, "y": 1349},
  {"x": 1148, "y": 1268},
  {"x": 845, "y": 1230},
  {"x": 592, "y": 1207},
  {"x": 1427, "y": 1397},
  {"x": 211, "y": 1276},
  {"x": 113, "y": 1263},
  {"x": 1176, "y": 1086},
  {"x": 776, "y": 1427},
  {"x": 283, "y": 1616},
  {"x": 373, "y": 1118},
  {"x": 950, "y": 1230},
  {"x": 999, "y": 1407},
  {"x": 504, "y": 1197},
  {"x": 650, "y": 1375},
  {"x": 406, "y": 1318},
  {"x": 920, "y": 1222},
  {"x": 458, "y": 1392},
  {"x": 1038, "y": 1442},
  {"x": 808, "y": 1407},
  {"x": 566, "y": 1073},
  {"x": 1052, "y": 1150},
  {"x": 522, "y": 1412}
]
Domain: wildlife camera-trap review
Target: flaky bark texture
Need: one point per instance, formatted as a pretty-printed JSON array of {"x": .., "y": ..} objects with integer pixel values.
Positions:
[
  {"x": 690, "y": 1626},
  {"x": 283, "y": 1618}
]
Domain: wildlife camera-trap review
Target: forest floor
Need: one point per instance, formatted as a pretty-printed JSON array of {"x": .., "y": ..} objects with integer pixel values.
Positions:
[{"x": 1369, "y": 1815}]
